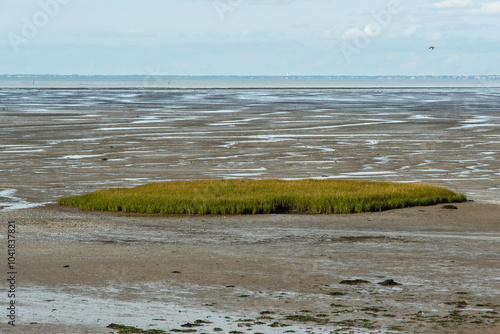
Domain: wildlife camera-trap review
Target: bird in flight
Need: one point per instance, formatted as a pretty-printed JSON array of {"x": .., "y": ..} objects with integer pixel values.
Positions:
[{"x": 431, "y": 47}]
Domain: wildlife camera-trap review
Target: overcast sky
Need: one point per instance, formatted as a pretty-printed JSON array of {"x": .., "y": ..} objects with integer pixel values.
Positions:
[{"x": 250, "y": 37}]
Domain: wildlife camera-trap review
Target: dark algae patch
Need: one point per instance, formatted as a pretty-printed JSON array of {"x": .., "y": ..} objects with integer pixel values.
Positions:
[
  {"x": 197, "y": 323},
  {"x": 358, "y": 323},
  {"x": 347, "y": 319},
  {"x": 122, "y": 329},
  {"x": 278, "y": 324},
  {"x": 354, "y": 281},
  {"x": 458, "y": 304},
  {"x": 238, "y": 197},
  {"x": 306, "y": 318},
  {"x": 337, "y": 293},
  {"x": 389, "y": 282}
]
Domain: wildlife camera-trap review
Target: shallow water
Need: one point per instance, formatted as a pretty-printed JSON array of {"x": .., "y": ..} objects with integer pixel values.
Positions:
[
  {"x": 60, "y": 142},
  {"x": 71, "y": 306}
]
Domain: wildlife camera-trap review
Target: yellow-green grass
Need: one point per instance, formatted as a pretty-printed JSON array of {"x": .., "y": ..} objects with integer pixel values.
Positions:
[{"x": 223, "y": 197}]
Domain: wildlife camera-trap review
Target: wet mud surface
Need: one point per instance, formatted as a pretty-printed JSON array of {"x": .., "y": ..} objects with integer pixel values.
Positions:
[
  {"x": 418, "y": 270},
  {"x": 81, "y": 272},
  {"x": 58, "y": 143}
]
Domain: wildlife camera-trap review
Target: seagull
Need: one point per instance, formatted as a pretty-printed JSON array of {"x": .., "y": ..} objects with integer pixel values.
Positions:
[{"x": 431, "y": 47}]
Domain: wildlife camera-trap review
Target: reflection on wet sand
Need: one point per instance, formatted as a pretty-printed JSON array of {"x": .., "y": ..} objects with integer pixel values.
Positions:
[{"x": 62, "y": 142}]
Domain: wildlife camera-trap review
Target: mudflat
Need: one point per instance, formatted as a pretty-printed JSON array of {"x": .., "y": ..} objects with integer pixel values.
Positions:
[
  {"x": 57, "y": 143},
  {"x": 78, "y": 272},
  {"x": 417, "y": 270}
]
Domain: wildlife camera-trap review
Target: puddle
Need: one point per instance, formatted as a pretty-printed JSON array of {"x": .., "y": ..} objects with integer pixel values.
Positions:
[
  {"x": 148, "y": 306},
  {"x": 9, "y": 202}
]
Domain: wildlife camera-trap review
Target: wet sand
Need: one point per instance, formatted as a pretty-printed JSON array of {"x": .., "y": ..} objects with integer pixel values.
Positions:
[
  {"x": 79, "y": 272},
  {"x": 66, "y": 142}
]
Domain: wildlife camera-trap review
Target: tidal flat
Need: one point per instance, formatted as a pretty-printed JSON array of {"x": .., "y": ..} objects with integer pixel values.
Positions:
[
  {"x": 65, "y": 142},
  {"x": 82, "y": 271},
  {"x": 417, "y": 270}
]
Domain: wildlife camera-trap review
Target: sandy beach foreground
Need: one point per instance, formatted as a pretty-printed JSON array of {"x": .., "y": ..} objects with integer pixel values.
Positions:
[{"x": 79, "y": 271}]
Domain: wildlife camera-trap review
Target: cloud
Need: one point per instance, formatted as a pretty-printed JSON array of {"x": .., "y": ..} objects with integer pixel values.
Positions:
[
  {"x": 492, "y": 8},
  {"x": 351, "y": 33},
  {"x": 410, "y": 31},
  {"x": 453, "y": 4},
  {"x": 372, "y": 30}
]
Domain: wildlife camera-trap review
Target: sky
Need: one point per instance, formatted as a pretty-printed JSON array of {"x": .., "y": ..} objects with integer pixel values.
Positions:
[{"x": 250, "y": 37}]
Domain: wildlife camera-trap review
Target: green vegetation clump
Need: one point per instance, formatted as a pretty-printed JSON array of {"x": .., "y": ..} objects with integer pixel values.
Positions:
[{"x": 237, "y": 197}]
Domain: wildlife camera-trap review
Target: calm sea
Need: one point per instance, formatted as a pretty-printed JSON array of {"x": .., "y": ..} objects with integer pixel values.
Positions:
[{"x": 244, "y": 82}]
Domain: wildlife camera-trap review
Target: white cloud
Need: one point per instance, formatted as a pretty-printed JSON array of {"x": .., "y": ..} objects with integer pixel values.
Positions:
[
  {"x": 351, "y": 33},
  {"x": 190, "y": 38},
  {"x": 492, "y": 8},
  {"x": 410, "y": 31},
  {"x": 372, "y": 30},
  {"x": 453, "y": 4}
]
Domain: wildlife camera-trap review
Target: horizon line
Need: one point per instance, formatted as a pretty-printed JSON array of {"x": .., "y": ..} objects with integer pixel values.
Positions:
[{"x": 20, "y": 75}]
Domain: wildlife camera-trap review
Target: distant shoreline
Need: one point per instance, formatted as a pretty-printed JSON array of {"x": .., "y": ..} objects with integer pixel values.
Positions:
[{"x": 350, "y": 77}]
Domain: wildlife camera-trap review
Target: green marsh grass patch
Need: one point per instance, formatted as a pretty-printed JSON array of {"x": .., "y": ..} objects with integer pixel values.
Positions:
[{"x": 238, "y": 197}]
